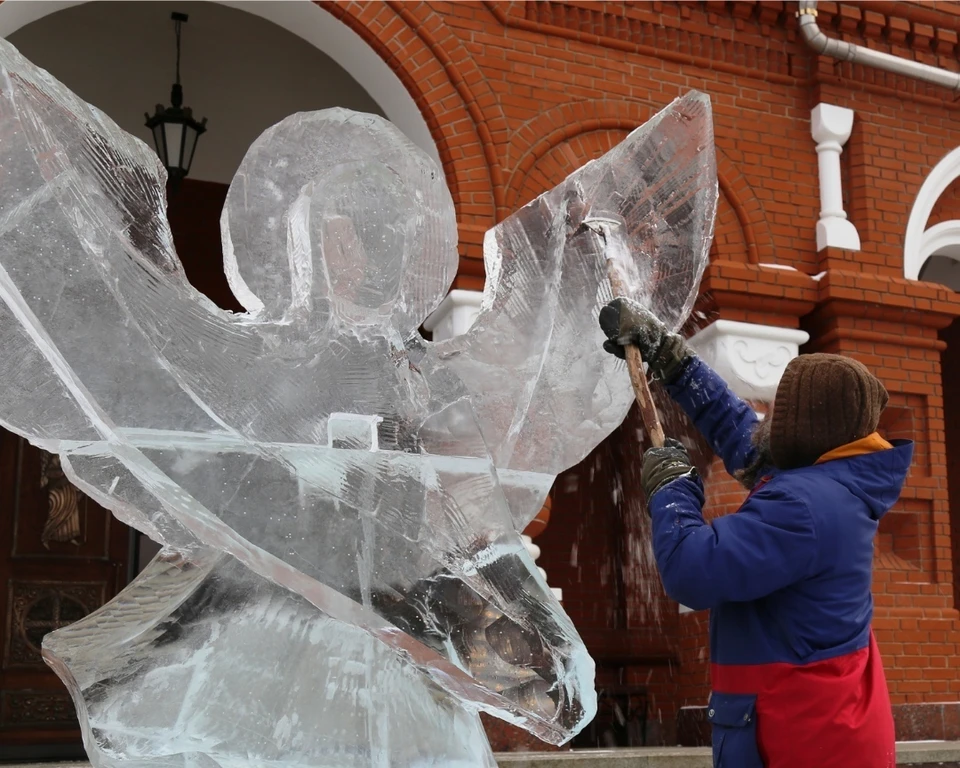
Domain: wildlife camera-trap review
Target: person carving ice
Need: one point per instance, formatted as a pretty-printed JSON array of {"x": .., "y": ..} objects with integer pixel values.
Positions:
[{"x": 797, "y": 677}]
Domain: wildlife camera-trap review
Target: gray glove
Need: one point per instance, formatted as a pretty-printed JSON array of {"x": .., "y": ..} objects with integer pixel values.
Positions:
[
  {"x": 624, "y": 321},
  {"x": 664, "y": 465}
]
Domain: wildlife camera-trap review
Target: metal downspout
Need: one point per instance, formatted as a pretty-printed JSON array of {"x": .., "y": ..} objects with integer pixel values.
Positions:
[{"x": 838, "y": 49}]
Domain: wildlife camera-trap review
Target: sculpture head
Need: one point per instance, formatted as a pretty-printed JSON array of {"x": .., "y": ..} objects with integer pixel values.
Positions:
[{"x": 339, "y": 209}]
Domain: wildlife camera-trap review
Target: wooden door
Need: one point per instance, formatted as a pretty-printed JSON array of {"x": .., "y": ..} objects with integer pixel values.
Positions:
[{"x": 62, "y": 556}]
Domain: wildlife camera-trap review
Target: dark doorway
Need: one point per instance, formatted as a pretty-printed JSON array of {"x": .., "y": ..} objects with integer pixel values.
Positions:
[{"x": 950, "y": 371}]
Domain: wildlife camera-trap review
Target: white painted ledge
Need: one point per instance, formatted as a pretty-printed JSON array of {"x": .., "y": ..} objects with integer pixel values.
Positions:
[
  {"x": 456, "y": 313},
  {"x": 751, "y": 358}
]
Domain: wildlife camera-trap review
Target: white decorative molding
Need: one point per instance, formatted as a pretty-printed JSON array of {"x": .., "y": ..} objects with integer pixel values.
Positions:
[
  {"x": 942, "y": 239},
  {"x": 750, "y": 357},
  {"x": 534, "y": 551},
  {"x": 831, "y": 126},
  {"x": 916, "y": 248},
  {"x": 456, "y": 313}
]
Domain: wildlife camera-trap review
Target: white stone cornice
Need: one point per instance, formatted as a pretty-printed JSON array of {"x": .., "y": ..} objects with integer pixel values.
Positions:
[
  {"x": 456, "y": 313},
  {"x": 750, "y": 357},
  {"x": 830, "y": 127}
]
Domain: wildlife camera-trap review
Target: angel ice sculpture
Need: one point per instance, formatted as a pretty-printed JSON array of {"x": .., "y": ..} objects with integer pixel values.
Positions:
[{"x": 342, "y": 581}]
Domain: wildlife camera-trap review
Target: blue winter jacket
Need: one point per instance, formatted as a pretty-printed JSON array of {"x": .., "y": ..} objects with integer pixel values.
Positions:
[{"x": 796, "y": 676}]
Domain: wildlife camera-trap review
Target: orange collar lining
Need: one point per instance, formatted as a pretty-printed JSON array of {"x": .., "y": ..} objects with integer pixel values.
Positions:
[{"x": 869, "y": 444}]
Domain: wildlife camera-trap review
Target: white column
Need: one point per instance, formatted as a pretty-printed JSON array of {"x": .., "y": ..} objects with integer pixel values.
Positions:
[
  {"x": 831, "y": 127},
  {"x": 456, "y": 313}
]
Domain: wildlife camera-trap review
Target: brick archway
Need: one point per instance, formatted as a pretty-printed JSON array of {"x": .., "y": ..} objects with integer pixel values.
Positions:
[
  {"x": 561, "y": 159},
  {"x": 553, "y": 145},
  {"x": 552, "y": 128}
]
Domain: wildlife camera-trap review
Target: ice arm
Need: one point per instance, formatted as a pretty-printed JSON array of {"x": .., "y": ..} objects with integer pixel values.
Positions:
[
  {"x": 769, "y": 544},
  {"x": 724, "y": 420}
]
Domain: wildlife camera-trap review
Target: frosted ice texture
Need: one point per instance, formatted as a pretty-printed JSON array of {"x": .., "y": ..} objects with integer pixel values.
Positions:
[{"x": 342, "y": 581}]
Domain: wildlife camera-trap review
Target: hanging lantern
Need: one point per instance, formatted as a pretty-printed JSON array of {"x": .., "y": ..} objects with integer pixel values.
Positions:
[{"x": 175, "y": 131}]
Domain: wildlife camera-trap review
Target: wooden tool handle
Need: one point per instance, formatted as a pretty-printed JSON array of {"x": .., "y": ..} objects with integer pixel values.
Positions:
[{"x": 648, "y": 411}]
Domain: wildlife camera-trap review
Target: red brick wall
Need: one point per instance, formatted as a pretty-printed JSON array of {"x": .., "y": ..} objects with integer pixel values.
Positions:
[{"x": 518, "y": 95}]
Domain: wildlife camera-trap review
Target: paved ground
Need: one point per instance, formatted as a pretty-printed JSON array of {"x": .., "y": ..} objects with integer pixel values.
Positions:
[{"x": 942, "y": 754}]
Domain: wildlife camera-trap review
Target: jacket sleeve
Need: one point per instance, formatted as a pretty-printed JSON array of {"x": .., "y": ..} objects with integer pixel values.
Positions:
[
  {"x": 768, "y": 545},
  {"x": 725, "y": 421}
]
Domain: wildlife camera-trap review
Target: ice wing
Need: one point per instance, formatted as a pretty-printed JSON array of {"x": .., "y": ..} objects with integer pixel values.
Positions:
[
  {"x": 545, "y": 392},
  {"x": 75, "y": 367}
]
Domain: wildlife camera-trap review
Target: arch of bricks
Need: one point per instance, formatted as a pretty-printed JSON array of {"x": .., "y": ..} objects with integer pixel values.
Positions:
[{"x": 557, "y": 142}]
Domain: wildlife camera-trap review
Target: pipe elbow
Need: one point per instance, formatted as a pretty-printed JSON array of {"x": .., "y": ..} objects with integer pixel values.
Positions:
[
  {"x": 814, "y": 38},
  {"x": 812, "y": 34}
]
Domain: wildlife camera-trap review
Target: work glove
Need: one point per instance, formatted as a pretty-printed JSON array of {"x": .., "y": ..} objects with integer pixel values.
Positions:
[
  {"x": 624, "y": 321},
  {"x": 663, "y": 465}
]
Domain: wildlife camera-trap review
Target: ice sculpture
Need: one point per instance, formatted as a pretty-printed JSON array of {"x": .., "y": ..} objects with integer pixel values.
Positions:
[{"x": 342, "y": 581}]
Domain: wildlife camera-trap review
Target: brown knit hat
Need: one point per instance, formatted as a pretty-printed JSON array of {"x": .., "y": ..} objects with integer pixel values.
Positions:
[{"x": 822, "y": 402}]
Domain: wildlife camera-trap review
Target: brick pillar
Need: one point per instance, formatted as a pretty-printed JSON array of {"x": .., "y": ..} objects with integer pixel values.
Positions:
[{"x": 876, "y": 320}]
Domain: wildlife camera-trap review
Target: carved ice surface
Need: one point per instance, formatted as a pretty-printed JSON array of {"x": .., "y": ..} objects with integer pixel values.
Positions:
[{"x": 343, "y": 581}]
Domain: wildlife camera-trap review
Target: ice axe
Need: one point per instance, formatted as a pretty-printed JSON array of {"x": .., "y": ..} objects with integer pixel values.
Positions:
[{"x": 615, "y": 249}]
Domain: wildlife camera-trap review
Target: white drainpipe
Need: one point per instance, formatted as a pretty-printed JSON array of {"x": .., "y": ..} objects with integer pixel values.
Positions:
[{"x": 838, "y": 49}]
